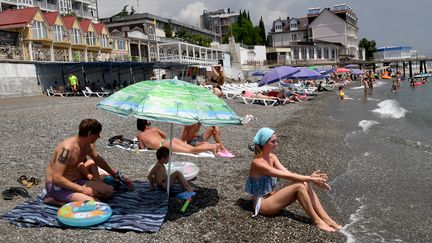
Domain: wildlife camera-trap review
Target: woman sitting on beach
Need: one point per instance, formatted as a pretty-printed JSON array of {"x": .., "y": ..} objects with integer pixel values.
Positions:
[
  {"x": 154, "y": 138},
  {"x": 264, "y": 171}
]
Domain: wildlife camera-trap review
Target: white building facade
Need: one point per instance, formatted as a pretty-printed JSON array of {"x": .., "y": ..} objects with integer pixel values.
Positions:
[{"x": 394, "y": 52}]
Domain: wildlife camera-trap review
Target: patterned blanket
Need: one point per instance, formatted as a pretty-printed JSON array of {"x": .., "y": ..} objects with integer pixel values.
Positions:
[{"x": 141, "y": 210}]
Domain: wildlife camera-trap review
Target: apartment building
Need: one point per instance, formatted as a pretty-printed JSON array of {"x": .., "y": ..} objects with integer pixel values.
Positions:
[
  {"x": 218, "y": 21},
  {"x": 322, "y": 36},
  {"x": 86, "y": 9}
]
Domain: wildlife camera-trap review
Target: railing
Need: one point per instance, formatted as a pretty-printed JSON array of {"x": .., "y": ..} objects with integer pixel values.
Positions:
[
  {"x": 187, "y": 59},
  {"x": 41, "y": 54},
  {"x": 47, "y": 6},
  {"x": 11, "y": 53}
]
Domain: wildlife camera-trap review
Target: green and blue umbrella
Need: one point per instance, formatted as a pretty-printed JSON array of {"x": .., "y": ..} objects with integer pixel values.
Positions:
[{"x": 173, "y": 101}]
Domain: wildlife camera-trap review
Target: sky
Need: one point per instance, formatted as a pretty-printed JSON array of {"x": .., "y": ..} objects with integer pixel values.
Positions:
[{"x": 388, "y": 22}]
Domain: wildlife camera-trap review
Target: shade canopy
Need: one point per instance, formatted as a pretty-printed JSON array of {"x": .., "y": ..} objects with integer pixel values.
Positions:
[
  {"x": 342, "y": 70},
  {"x": 305, "y": 73},
  {"x": 276, "y": 74},
  {"x": 172, "y": 101}
]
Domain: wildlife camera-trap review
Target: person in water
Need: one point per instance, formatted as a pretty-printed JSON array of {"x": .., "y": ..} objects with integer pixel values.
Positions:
[{"x": 265, "y": 169}]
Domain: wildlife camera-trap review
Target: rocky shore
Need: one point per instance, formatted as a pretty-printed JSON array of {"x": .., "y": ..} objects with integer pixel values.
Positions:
[{"x": 309, "y": 139}]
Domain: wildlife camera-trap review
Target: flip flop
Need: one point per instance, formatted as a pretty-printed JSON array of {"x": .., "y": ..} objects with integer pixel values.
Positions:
[
  {"x": 21, "y": 191},
  {"x": 8, "y": 194},
  {"x": 23, "y": 180},
  {"x": 35, "y": 180}
]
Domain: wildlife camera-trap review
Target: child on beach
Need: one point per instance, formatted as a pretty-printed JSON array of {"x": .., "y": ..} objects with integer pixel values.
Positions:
[
  {"x": 158, "y": 175},
  {"x": 341, "y": 92}
]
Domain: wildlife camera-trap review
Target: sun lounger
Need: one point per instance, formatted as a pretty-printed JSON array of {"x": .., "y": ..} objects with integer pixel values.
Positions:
[
  {"x": 52, "y": 92},
  {"x": 88, "y": 92},
  {"x": 266, "y": 102}
]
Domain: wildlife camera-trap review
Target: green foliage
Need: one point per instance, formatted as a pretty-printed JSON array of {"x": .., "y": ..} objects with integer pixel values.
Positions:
[
  {"x": 168, "y": 31},
  {"x": 369, "y": 46},
  {"x": 201, "y": 40},
  {"x": 245, "y": 32}
]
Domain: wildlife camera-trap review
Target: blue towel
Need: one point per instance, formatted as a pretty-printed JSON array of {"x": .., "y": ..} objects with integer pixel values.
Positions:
[{"x": 141, "y": 210}]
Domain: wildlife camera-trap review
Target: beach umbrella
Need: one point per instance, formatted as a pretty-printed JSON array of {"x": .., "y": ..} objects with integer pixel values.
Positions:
[
  {"x": 170, "y": 100},
  {"x": 258, "y": 73},
  {"x": 276, "y": 74},
  {"x": 352, "y": 66},
  {"x": 356, "y": 71},
  {"x": 305, "y": 73},
  {"x": 342, "y": 70}
]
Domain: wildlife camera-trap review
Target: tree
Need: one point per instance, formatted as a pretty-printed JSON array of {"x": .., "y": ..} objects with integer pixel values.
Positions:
[
  {"x": 168, "y": 31},
  {"x": 262, "y": 30},
  {"x": 369, "y": 46},
  {"x": 124, "y": 12}
]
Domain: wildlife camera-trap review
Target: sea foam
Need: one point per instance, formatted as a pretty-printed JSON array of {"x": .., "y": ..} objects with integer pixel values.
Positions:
[
  {"x": 366, "y": 124},
  {"x": 390, "y": 109}
]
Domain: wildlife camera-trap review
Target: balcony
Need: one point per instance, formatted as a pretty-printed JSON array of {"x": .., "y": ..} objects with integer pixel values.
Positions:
[
  {"x": 47, "y": 6},
  {"x": 83, "y": 14}
]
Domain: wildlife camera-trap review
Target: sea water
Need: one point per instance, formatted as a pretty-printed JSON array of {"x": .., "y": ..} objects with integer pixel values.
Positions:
[{"x": 386, "y": 192}]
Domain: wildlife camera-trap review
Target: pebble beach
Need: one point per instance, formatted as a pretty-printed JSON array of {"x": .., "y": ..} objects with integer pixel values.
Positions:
[{"x": 30, "y": 128}]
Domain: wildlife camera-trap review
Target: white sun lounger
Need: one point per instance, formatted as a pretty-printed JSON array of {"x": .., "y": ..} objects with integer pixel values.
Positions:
[
  {"x": 266, "y": 102},
  {"x": 88, "y": 92},
  {"x": 51, "y": 92}
]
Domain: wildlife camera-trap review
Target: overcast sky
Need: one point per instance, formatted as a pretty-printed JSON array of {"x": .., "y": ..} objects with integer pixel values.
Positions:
[{"x": 388, "y": 22}]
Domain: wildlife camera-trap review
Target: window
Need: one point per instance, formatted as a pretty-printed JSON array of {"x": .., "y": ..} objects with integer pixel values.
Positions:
[
  {"x": 104, "y": 41},
  {"x": 326, "y": 53},
  {"x": 304, "y": 52},
  {"x": 294, "y": 37},
  {"x": 58, "y": 33},
  {"x": 75, "y": 36},
  {"x": 151, "y": 34},
  {"x": 319, "y": 54},
  {"x": 39, "y": 30},
  {"x": 90, "y": 39},
  {"x": 296, "y": 53},
  {"x": 121, "y": 44},
  {"x": 311, "y": 53},
  {"x": 333, "y": 54},
  {"x": 293, "y": 24}
]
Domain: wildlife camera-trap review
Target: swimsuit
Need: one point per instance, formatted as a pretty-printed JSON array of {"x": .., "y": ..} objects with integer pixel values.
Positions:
[
  {"x": 59, "y": 193},
  {"x": 196, "y": 139},
  {"x": 260, "y": 188}
]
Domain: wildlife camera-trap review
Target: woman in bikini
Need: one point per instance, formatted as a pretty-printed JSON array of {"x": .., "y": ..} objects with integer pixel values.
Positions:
[
  {"x": 264, "y": 171},
  {"x": 154, "y": 138},
  {"x": 217, "y": 80}
]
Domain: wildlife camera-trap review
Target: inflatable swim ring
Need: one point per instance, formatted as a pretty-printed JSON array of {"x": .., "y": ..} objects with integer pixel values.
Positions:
[
  {"x": 418, "y": 83},
  {"x": 188, "y": 169},
  {"x": 84, "y": 213}
]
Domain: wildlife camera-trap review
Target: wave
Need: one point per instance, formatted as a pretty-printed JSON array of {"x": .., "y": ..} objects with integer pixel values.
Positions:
[
  {"x": 390, "y": 109},
  {"x": 379, "y": 84},
  {"x": 358, "y": 87},
  {"x": 366, "y": 124}
]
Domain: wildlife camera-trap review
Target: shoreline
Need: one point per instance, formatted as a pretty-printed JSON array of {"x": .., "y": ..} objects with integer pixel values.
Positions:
[{"x": 308, "y": 140}]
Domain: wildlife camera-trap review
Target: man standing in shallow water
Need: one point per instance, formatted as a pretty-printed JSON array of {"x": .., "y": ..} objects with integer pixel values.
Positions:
[{"x": 64, "y": 180}]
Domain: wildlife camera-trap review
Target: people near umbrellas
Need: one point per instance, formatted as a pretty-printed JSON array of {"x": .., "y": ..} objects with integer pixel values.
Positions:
[
  {"x": 64, "y": 179},
  {"x": 158, "y": 174},
  {"x": 191, "y": 136},
  {"x": 153, "y": 138}
]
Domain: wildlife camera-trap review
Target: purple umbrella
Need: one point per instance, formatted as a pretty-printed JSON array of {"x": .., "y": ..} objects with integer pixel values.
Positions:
[
  {"x": 276, "y": 74},
  {"x": 357, "y": 71},
  {"x": 305, "y": 73}
]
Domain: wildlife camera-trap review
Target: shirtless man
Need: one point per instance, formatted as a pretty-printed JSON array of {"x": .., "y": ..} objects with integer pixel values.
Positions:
[
  {"x": 190, "y": 135},
  {"x": 64, "y": 180},
  {"x": 154, "y": 138}
]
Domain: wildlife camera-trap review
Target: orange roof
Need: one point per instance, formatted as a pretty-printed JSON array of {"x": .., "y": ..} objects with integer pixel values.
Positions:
[
  {"x": 51, "y": 17},
  {"x": 85, "y": 24},
  {"x": 16, "y": 18},
  {"x": 99, "y": 27},
  {"x": 68, "y": 21}
]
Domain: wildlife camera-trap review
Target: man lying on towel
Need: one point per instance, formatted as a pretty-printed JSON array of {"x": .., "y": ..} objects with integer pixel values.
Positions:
[{"x": 65, "y": 180}]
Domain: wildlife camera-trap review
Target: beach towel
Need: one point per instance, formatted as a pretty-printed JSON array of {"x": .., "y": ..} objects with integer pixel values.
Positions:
[{"x": 141, "y": 210}]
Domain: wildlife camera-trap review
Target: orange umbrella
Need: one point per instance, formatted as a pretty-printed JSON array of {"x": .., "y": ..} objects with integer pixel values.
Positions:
[{"x": 343, "y": 70}]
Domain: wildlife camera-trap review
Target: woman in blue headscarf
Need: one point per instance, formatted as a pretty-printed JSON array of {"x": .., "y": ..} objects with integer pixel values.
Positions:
[{"x": 266, "y": 168}]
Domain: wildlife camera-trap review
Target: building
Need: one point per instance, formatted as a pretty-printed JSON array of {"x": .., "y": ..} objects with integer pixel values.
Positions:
[
  {"x": 148, "y": 41},
  {"x": 218, "y": 21},
  {"x": 322, "y": 36},
  {"x": 86, "y": 9},
  {"x": 49, "y": 37},
  {"x": 389, "y": 53}
]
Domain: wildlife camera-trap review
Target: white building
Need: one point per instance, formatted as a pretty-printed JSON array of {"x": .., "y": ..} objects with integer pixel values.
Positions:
[
  {"x": 394, "y": 52},
  {"x": 322, "y": 36},
  {"x": 86, "y": 9}
]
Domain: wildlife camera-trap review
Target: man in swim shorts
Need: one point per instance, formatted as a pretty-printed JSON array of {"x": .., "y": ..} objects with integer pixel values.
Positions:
[{"x": 64, "y": 181}]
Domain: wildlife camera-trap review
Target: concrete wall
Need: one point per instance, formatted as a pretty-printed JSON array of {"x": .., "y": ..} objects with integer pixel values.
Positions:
[{"x": 18, "y": 80}]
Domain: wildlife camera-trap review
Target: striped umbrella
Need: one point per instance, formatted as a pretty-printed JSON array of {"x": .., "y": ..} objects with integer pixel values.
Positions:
[{"x": 173, "y": 101}]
